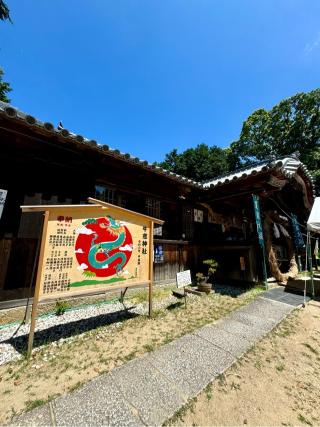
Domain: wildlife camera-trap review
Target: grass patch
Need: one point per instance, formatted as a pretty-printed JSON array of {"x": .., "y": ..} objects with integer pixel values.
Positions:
[
  {"x": 304, "y": 420},
  {"x": 74, "y": 387},
  {"x": 32, "y": 404},
  {"x": 179, "y": 415},
  {"x": 96, "y": 282}
]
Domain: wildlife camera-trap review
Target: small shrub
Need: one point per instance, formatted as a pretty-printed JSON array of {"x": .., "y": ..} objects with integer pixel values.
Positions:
[{"x": 61, "y": 307}]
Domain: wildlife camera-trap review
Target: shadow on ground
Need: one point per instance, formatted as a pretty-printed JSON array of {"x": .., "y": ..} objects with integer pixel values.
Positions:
[
  {"x": 231, "y": 290},
  {"x": 67, "y": 330}
]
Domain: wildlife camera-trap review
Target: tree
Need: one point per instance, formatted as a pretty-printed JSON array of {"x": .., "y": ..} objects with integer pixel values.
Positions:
[
  {"x": 4, "y": 12},
  {"x": 199, "y": 163},
  {"x": 4, "y": 88},
  {"x": 290, "y": 126}
]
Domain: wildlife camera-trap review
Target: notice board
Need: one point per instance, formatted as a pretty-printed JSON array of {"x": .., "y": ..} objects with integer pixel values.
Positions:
[{"x": 88, "y": 248}]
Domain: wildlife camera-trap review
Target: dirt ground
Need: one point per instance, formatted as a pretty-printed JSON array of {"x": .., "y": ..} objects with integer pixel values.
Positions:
[
  {"x": 276, "y": 384},
  {"x": 58, "y": 368}
]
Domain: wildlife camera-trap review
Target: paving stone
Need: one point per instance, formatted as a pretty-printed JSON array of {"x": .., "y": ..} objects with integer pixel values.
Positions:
[
  {"x": 191, "y": 363},
  {"x": 232, "y": 343},
  {"x": 37, "y": 417},
  {"x": 148, "y": 391},
  {"x": 281, "y": 295},
  {"x": 250, "y": 333},
  {"x": 264, "y": 324},
  {"x": 98, "y": 402},
  {"x": 267, "y": 309}
]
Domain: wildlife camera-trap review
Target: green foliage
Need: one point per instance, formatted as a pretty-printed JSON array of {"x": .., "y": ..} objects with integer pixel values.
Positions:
[
  {"x": 89, "y": 221},
  {"x": 212, "y": 266},
  {"x": 199, "y": 163},
  {"x": 4, "y": 12},
  {"x": 89, "y": 273},
  {"x": 32, "y": 404},
  {"x": 4, "y": 88},
  {"x": 291, "y": 126},
  {"x": 199, "y": 278},
  {"x": 61, "y": 307}
]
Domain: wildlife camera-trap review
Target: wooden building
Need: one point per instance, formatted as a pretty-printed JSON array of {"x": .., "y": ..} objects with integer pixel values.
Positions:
[{"x": 41, "y": 164}]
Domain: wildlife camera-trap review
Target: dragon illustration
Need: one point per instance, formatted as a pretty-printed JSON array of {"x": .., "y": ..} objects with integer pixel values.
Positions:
[{"x": 106, "y": 247}]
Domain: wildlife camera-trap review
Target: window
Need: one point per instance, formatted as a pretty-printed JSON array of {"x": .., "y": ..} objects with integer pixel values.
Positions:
[
  {"x": 105, "y": 194},
  {"x": 153, "y": 207}
]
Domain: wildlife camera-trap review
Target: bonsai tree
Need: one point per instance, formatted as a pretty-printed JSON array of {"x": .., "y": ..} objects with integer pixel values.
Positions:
[
  {"x": 203, "y": 281},
  {"x": 200, "y": 277},
  {"x": 212, "y": 267}
]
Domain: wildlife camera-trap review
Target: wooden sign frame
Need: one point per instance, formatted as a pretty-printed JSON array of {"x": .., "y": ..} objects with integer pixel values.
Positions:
[{"x": 94, "y": 206}]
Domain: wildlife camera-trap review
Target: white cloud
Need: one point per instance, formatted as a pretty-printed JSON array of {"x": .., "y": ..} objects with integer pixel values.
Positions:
[
  {"x": 84, "y": 230},
  {"x": 106, "y": 266},
  {"x": 123, "y": 223},
  {"x": 79, "y": 251},
  {"x": 126, "y": 273},
  {"x": 82, "y": 266},
  {"x": 309, "y": 47},
  {"x": 128, "y": 248}
]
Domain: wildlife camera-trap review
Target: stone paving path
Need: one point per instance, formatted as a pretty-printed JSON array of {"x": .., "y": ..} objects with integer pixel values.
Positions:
[{"x": 149, "y": 390}]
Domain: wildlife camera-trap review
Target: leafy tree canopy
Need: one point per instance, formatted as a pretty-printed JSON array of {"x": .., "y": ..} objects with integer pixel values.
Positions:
[
  {"x": 291, "y": 126},
  {"x": 4, "y": 88},
  {"x": 199, "y": 163},
  {"x": 4, "y": 12}
]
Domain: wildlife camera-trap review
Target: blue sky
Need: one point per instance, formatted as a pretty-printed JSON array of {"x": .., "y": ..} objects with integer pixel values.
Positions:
[{"x": 147, "y": 76}]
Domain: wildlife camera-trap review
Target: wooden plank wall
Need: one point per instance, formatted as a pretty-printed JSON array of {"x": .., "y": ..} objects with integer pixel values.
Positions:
[{"x": 177, "y": 257}]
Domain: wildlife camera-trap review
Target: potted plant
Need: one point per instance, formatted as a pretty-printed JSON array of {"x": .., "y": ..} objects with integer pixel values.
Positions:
[{"x": 205, "y": 282}]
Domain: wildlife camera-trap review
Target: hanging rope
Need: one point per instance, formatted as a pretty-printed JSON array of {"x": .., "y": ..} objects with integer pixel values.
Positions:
[{"x": 272, "y": 258}]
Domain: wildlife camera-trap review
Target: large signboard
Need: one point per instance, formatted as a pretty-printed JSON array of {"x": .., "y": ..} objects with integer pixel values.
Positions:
[{"x": 87, "y": 248}]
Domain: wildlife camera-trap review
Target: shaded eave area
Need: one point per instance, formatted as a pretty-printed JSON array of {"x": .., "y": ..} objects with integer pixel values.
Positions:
[
  {"x": 78, "y": 150},
  {"x": 262, "y": 178},
  {"x": 284, "y": 180}
]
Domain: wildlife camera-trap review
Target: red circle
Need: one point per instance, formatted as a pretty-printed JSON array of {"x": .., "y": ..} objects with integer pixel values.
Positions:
[{"x": 101, "y": 233}]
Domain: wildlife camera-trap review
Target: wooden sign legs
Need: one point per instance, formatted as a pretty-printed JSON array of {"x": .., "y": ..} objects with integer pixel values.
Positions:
[
  {"x": 150, "y": 267},
  {"x": 32, "y": 326},
  {"x": 37, "y": 287}
]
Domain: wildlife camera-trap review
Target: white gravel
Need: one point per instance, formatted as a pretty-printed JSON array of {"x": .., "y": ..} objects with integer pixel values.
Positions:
[{"x": 72, "y": 324}]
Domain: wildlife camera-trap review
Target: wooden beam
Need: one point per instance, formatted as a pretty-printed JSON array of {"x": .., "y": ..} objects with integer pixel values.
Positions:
[{"x": 126, "y": 211}]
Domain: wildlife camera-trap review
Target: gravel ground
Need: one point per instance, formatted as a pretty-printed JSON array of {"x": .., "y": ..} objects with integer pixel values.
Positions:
[{"x": 72, "y": 324}]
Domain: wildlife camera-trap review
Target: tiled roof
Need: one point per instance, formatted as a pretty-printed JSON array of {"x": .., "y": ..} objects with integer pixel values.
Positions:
[
  {"x": 16, "y": 114},
  {"x": 288, "y": 166}
]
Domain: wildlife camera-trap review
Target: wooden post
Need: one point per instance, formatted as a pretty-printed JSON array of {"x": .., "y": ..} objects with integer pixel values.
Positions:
[
  {"x": 150, "y": 268},
  {"x": 38, "y": 283}
]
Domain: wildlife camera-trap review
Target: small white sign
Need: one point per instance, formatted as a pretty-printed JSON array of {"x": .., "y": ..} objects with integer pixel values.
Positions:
[
  {"x": 157, "y": 231},
  {"x": 3, "y": 195},
  {"x": 197, "y": 215},
  {"x": 183, "y": 279}
]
